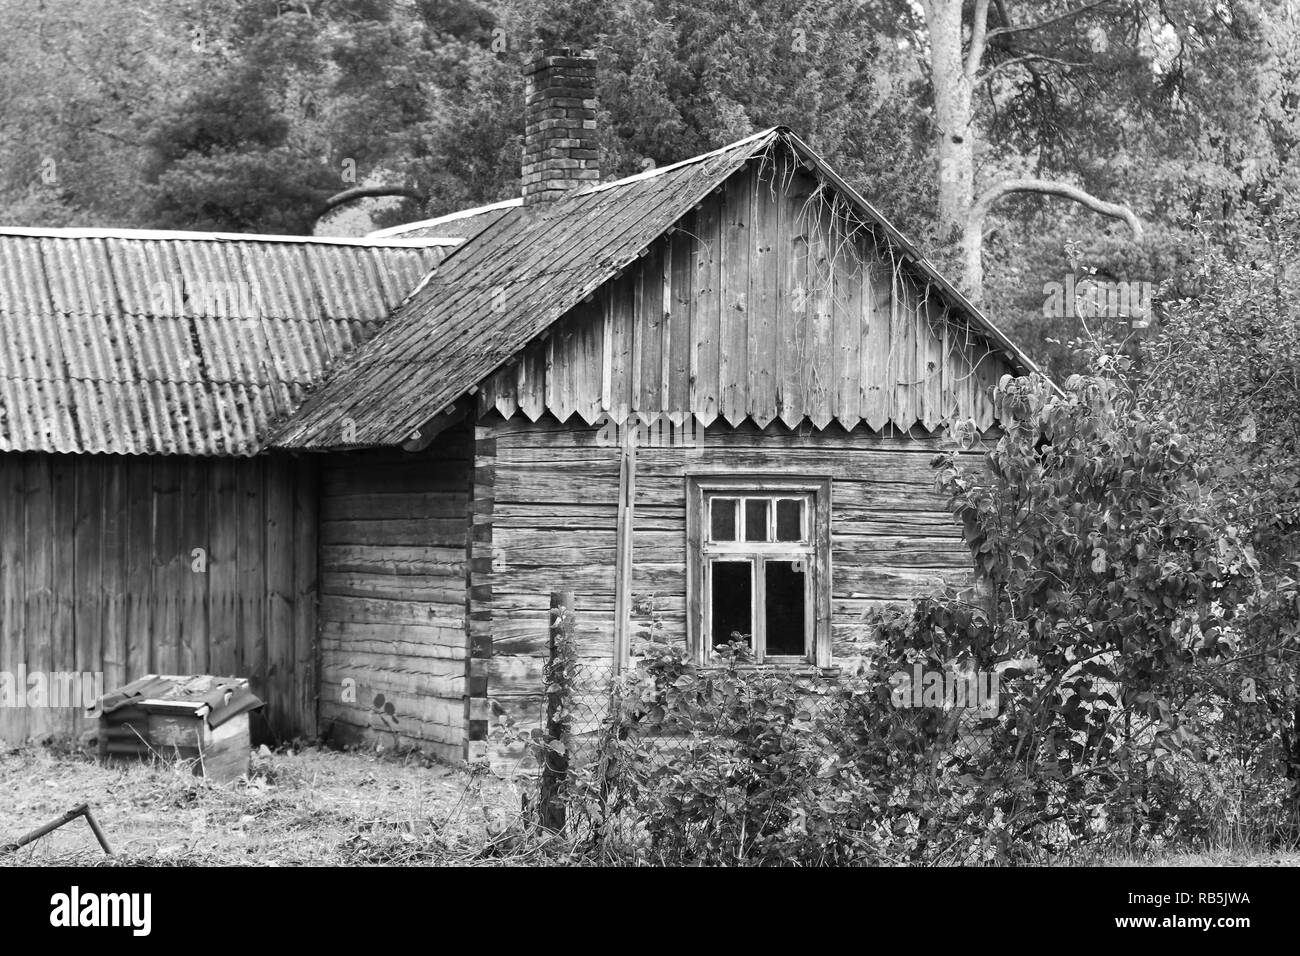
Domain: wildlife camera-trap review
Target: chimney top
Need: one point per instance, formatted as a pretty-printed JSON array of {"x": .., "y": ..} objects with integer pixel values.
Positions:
[{"x": 560, "y": 149}]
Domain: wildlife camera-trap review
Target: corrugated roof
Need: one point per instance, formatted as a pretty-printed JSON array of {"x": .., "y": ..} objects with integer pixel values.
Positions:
[
  {"x": 520, "y": 274},
  {"x": 143, "y": 342}
]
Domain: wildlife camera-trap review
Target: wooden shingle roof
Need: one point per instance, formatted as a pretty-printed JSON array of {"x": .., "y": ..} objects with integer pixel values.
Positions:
[
  {"x": 143, "y": 342},
  {"x": 521, "y": 273}
]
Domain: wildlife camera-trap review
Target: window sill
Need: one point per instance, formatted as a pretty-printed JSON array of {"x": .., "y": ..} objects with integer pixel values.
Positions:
[{"x": 797, "y": 670}]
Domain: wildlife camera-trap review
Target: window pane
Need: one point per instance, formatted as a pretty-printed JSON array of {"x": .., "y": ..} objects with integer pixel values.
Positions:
[
  {"x": 789, "y": 519},
  {"x": 723, "y": 522},
  {"x": 756, "y": 519},
  {"x": 732, "y": 590},
  {"x": 785, "y": 607}
]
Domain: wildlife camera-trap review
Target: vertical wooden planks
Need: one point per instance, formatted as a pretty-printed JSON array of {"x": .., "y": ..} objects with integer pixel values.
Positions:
[
  {"x": 818, "y": 370},
  {"x": 38, "y": 559},
  {"x": 604, "y": 302},
  {"x": 530, "y": 380},
  {"x": 707, "y": 313},
  {"x": 13, "y": 583},
  {"x": 555, "y": 373},
  {"x": 878, "y": 393},
  {"x": 279, "y": 590},
  {"x": 901, "y": 356},
  {"x": 170, "y": 566},
  {"x": 849, "y": 327},
  {"x": 306, "y": 513},
  {"x": 932, "y": 329},
  {"x": 733, "y": 334},
  {"x": 223, "y": 583},
  {"x": 679, "y": 321},
  {"x": 765, "y": 204},
  {"x": 61, "y": 648},
  {"x": 196, "y": 567},
  {"x": 251, "y": 580},
  {"x": 948, "y": 370},
  {"x": 622, "y": 347},
  {"x": 648, "y": 326},
  {"x": 666, "y": 329},
  {"x": 87, "y": 581},
  {"x": 986, "y": 376},
  {"x": 138, "y": 577},
  {"x": 788, "y": 297},
  {"x": 115, "y": 518}
]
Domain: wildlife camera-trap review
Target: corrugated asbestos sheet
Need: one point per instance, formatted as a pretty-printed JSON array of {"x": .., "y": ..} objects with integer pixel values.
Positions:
[
  {"x": 517, "y": 276},
  {"x": 494, "y": 295},
  {"x": 153, "y": 343}
]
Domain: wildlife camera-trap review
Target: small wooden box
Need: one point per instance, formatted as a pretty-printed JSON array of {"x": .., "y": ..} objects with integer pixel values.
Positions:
[{"x": 172, "y": 718}]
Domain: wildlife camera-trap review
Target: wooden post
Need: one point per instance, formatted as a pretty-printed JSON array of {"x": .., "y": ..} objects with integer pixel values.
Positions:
[
  {"x": 555, "y": 766},
  {"x": 623, "y": 549}
]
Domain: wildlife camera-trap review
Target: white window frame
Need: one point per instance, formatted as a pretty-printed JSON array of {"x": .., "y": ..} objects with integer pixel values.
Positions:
[{"x": 814, "y": 549}]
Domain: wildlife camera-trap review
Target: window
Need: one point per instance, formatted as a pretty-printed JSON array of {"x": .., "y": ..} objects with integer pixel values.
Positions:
[{"x": 759, "y": 566}]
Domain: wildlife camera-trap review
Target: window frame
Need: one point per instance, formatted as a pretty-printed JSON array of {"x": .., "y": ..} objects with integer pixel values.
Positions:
[{"x": 701, "y": 553}]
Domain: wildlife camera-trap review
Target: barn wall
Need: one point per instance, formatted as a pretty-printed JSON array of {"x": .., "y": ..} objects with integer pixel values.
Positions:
[
  {"x": 392, "y": 617},
  {"x": 553, "y": 527},
  {"x": 768, "y": 303},
  {"x": 147, "y": 564}
]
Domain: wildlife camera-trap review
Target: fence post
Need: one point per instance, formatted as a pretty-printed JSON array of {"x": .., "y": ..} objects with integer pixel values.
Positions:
[{"x": 555, "y": 766}]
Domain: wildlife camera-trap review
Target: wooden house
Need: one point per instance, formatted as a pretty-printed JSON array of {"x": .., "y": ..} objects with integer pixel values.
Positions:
[{"x": 703, "y": 398}]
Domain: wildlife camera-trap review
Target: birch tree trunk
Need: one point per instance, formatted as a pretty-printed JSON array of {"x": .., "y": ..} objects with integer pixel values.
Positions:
[{"x": 955, "y": 74}]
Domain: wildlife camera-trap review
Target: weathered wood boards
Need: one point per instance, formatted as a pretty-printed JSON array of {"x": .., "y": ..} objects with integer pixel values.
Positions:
[
  {"x": 767, "y": 301},
  {"x": 554, "y": 526},
  {"x": 392, "y": 582},
  {"x": 123, "y": 565}
]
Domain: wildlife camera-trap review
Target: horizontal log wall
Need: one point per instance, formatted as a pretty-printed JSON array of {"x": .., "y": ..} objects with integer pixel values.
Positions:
[
  {"x": 130, "y": 565},
  {"x": 554, "y": 528},
  {"x": 768, "y": 303},
  {"x": 393, "y": 536}
]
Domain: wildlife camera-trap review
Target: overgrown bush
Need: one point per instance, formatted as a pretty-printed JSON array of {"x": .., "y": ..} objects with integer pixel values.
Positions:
[{"x": 1147, "y": 678}]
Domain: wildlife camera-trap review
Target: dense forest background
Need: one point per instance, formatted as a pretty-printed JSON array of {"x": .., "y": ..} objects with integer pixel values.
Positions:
[{"x": 1123, "y": 140}]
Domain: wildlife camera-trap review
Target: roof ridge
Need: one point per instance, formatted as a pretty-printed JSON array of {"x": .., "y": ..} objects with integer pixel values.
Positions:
[
  {"x": 439, "y": 220},
  {"x": 660, "y": 170},
  {"x": 157, "y": 235},
  {"x": 586, "y": 191}
]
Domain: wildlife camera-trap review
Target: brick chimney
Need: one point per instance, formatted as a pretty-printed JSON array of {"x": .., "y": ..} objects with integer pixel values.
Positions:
[{"x": 560, "y": 152}]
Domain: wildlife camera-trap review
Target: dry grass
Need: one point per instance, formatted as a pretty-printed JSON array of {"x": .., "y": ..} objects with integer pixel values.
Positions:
[
  {"x": 321, "y": 807},
  {"x": 311, "y": 806}
]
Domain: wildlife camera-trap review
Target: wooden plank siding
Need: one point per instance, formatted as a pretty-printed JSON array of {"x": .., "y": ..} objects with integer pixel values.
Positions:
[
  {"x": 393, "y": 596},
  {"x": 767, "y": 301},
  {"x": 126, "y": 565},
  {"x": 553, "y": 525}
]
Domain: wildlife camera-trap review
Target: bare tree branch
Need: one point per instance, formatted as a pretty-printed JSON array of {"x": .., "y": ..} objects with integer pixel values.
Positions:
[
  {"x": 367, "y": 192},
  {"x": 1002, "y": 31},
  {"x": 998, "y": 68},
  {"x": 1048, "y": 187}
]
